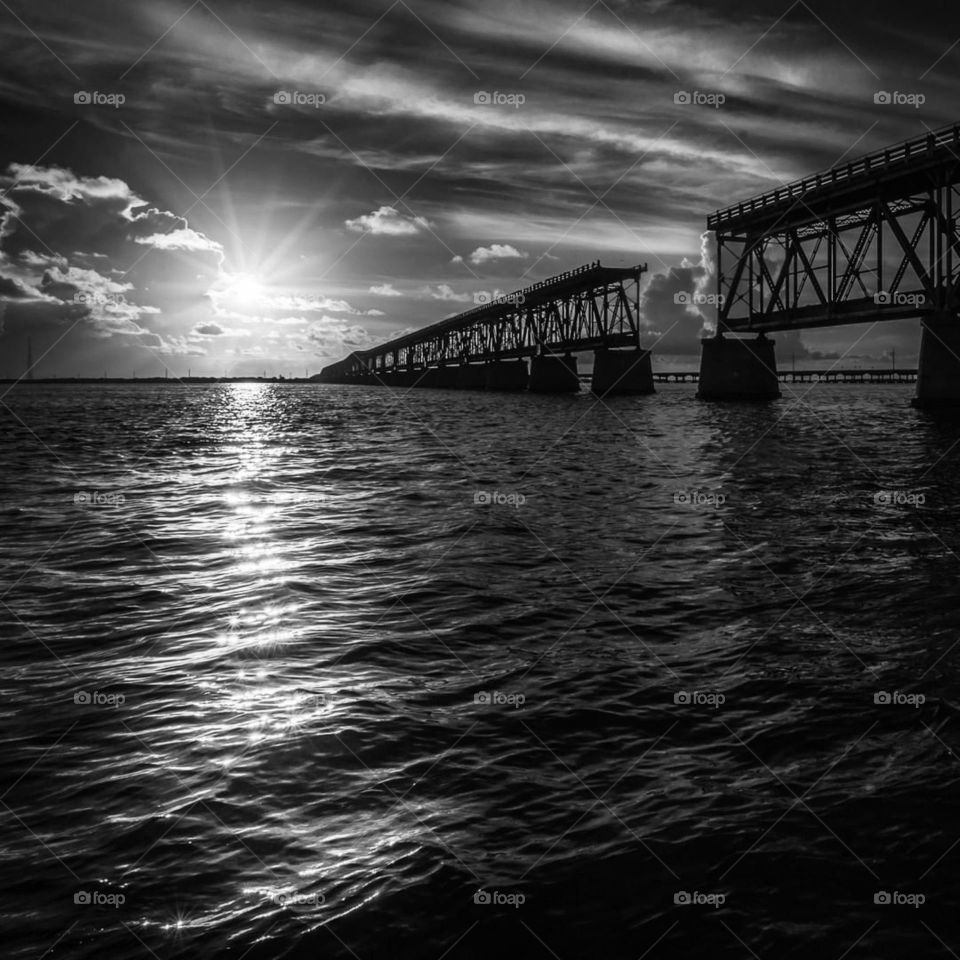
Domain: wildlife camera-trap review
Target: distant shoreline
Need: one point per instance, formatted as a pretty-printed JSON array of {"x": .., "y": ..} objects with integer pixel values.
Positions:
[
  {"x": 174, "y": 380},
  {"x": 853, "y": 375}
]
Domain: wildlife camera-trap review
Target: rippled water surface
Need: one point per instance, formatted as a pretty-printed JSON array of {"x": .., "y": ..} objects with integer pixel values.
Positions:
[{"x": 275, "y": 684}]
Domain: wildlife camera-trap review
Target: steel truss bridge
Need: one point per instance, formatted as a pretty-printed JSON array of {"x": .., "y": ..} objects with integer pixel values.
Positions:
[
  {"x": 874, "y": 239},
  {"x": 590, "y": 308}
]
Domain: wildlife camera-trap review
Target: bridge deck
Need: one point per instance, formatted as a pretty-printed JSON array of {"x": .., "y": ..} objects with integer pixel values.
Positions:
[{"x": 895, "y": 171}]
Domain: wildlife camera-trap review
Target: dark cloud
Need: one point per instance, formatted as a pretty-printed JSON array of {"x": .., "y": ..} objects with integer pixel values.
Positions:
[{"x": 209, "y": 329}]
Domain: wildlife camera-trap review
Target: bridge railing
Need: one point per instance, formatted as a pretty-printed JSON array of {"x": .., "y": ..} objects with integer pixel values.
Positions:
[{"x": 868, "y": 163}]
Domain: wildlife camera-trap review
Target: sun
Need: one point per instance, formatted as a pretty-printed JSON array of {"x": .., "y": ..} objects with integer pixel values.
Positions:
[{"x": 244, "y": 286}]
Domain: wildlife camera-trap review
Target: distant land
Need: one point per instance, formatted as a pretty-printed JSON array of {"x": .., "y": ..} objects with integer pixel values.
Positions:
[{"x": 279, "y": 379}]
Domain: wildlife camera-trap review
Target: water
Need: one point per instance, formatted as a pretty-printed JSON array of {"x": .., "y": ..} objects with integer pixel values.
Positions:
[{"x": 282, "y": 629}]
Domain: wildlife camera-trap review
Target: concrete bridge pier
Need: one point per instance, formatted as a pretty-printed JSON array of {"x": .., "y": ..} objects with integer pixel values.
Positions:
[
  {"x": 621, "y": 371},
  {"x": 506, "y": 375},
  {"x": 426, "y": 377},
  {"x": 735, "y": 369},
  {"x": 553, "y": 374},
  {"x": 471, "y": 376},
  {"x": 938, "y": 371}
]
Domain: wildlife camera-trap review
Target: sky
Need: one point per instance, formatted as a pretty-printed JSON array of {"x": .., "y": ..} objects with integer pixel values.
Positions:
[{"x": 243, "y": 189}]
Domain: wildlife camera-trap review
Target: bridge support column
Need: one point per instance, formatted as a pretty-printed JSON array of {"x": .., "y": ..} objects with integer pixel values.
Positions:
[
  {"x": 938, "y": 372},
  {"x": 732, "y": 369},
  {"x": 471, "y": 376},
  {"x": 553, "y": 374},
  {"x": 506, "y": 375},
  {"x": 427, "y": 377},
  {"x": 621, "y": 371},
  {"x": 447, "y": 377}
]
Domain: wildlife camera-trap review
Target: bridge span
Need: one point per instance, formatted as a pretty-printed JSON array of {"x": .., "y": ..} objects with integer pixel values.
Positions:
[
  {"x": 591, "y": 308},
  {"x": 870, "y": 240}
]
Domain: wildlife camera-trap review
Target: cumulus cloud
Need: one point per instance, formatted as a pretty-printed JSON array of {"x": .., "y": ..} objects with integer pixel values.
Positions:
[
  {"x": 496, "y": 251},
  {"x": 389, "y": 222},
  {"x": 668, "y": 305},
  {"x": 181, "y": 238}
]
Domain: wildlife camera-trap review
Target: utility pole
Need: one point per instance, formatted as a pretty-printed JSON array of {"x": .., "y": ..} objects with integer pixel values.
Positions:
[{"x": 29, "y": 358}]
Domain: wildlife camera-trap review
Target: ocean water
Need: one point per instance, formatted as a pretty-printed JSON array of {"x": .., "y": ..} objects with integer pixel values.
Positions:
[{"x": 307, "y": 671}]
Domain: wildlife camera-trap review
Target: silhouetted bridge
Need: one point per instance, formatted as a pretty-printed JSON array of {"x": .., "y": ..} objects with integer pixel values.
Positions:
[
  {"x": 590, "y": 308},
  {"x": 871, "y": 240}
]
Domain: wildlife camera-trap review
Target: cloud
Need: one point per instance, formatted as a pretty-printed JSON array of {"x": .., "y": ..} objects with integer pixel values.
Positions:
[
  {"x": 72, "y": 251},
  {"x": 64, "y": 185},
  {"x": 388, "y": 222},
  {"x": 497, "y": 251},
  {"x": 444, "y": 291},
  {"x": 181, "y": 238},
  {"x": 209, "y": 329},
  {"x": 308, "y": 302},
  {"x": 13, "y": 289},
  {"x": 334, "y": 337},
  {"x": 386, "y": 290},
  {"x": 668, "y": 308}
]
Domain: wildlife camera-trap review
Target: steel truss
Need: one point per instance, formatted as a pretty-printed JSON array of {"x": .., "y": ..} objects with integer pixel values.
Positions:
[
  {"x": 585, "y": 309},
  {"x": 876, "y": 241}
]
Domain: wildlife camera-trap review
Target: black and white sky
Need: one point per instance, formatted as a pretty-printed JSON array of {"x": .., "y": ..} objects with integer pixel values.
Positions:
[{"x": 239, "y": 188}]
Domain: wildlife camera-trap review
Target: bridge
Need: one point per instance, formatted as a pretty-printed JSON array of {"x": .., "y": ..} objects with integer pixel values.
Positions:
[
  {"x": 870, "y": 240},
  {"x": 591, "y": 308}
]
